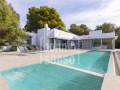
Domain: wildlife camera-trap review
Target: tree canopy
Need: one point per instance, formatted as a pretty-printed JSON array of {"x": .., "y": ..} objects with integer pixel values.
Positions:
[
  {"x": 10, "y": 32},
  {"x": 79, "y": 29},
  {"x": 38, "y": 17},
  {"x": 106, "y": 27}
]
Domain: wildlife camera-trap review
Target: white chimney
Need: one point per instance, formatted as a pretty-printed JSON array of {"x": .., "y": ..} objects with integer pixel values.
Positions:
[{"x": 46, "y": 27}]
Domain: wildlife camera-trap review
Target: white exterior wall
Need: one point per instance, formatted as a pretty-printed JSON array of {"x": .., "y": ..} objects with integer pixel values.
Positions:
[
  {"x": 34, "y": 39},
  {"x": 95, "y": 33},
  {"x": 62, "y": 34},
  {"x": 41, "y": 38}
]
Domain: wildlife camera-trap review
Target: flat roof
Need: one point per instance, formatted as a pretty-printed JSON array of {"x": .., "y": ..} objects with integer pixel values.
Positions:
[{"x": 92, "y": 35}]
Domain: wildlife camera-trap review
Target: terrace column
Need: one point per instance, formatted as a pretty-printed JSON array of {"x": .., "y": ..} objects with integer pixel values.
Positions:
[
  {"x": 59, "y": 43},
  {"x": 78, "y": 44},
  {"x": 54, "y": 43},
  {"x": 70, "y": 44},
  {"x": 113, "y": 43},
  {"x": 91, "y": 44},
  {"x": 101, "y": 43}
]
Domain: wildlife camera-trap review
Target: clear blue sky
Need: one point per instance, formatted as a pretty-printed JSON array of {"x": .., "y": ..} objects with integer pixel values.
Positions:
[{"x": 90, "y": 12}]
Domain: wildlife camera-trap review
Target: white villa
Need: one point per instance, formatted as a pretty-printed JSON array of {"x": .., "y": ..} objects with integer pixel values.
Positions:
[{"x": 47, "y": 38}]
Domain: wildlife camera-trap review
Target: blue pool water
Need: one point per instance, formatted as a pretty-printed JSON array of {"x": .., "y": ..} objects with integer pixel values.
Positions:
[
  {"x": 96, "y": 61},
  {"x": 50, "y": 77}
]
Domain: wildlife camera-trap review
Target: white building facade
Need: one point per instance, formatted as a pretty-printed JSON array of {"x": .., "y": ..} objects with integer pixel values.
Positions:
[{"x": 47, "y": 38}]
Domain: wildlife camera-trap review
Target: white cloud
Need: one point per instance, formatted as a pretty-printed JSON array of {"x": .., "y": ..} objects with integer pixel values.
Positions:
[
  {"x": 21, "y": 6},
  {"x": 60, "y": 3},
  {"x": 108, "y": 12}
]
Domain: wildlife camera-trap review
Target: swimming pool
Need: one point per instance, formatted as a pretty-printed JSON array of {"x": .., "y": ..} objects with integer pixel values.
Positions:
[
  {"x": 46, "y": 76},
  {"x": 50, "y": 77},
  {"x": 96, "y": 61}
]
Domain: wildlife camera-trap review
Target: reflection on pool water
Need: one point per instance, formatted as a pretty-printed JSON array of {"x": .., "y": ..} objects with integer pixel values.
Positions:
[{"x": 96, "y": 61}]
